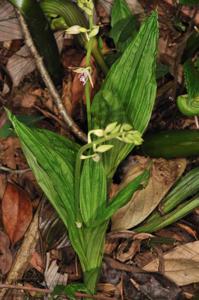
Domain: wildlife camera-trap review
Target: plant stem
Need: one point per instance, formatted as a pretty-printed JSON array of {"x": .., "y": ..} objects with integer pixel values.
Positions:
[
  {"x": 79, "y": 162},
  {"x": 88, "y": 84}
]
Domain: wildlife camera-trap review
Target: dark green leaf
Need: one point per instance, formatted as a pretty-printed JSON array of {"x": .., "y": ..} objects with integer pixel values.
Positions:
[
  {"x": 70, "y": 290},
  {"x": 191, "y": 79},
  {"x": 189, "y": 2},
  {"x": 129, "y": 91},
  {"x": 6, "y": 129},
  {"x": 121, "y": 199},
  {"x": 93, "y": 191},
  {"x": 161, "y": 70},
  {"x": 120, "y": 10},
  {"x": 124, "y": 31}
]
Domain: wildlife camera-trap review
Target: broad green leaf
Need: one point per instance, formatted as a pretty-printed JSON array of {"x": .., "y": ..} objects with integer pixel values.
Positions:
[
  {"x": 120, "y": 10},
  {"x": 120, "y": 199},
  {"x": 52, "y": 158},
  {"x": 93, "y": 191},
  {"x": 129, "y": 91}
]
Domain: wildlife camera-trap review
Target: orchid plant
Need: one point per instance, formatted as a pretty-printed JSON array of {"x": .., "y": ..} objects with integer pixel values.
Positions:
[{"x": 75, "y": 178}]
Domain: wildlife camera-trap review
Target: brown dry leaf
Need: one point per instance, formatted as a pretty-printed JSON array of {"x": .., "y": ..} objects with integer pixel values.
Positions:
[
  {"x": 22, "y": 63},
  {"x": 164, "y": 174},
  {"x": 5, "y": 254},
  {"x": 66, "y": 95},
  {"x": 9, "y": 25},
  {"x": 37, "y": 262},
  {"x": 181, "y": 264},
  {"x": 3, "y": 181},
  {"x": 16, "y": 211},
  {"x": 8, "y": 148}
]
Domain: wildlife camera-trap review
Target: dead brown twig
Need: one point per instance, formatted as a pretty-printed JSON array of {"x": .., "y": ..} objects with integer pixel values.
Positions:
[
  {"x": 49, "y": 83},
  {"x": 48, "y": 291}
]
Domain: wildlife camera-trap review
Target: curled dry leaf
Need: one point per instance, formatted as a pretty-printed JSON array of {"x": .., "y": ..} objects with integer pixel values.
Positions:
[
  {"x": 181, "y": 264},
  {"x": 16, "y": 212},
  {"x": 5, "y": 254},
  {"x": 164, "y": 174}
]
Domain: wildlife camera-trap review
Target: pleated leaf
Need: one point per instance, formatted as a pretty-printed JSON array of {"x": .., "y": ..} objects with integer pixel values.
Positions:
[
  {"x": 93, "y": 190},
  {"x": 52, "y": 159},
  {"x": 129, "y": 91}
]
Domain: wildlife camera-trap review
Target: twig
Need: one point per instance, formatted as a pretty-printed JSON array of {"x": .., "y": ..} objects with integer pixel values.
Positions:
[
  {"x": 23, "y": 256},
  {"x": 49, "y": 83},
  {"x": 48, "y": 291},
  {"x": 9, "y": 170}
]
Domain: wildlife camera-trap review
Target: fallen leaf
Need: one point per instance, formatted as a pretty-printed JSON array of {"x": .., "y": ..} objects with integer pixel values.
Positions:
[
  {"x": 37, "y": 262},
  {"x": 3, "y": 181},
  {"x": 181, "y": 264},
  {"x": 164, "y": 174},
  {"x": 5, "y": 253},
  {"x": 16, "y": 212},
  {"x": 22, "y": 63},
  {"x": 9, "y": 25},
  {"x": 8, "y": 149}
]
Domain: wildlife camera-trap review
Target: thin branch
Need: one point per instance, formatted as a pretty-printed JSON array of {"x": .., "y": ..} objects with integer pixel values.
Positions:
[
  {"x": 48, "y": 291},
  {"x": 13, "y": 171},
  {"x": 49, "y": 83}
]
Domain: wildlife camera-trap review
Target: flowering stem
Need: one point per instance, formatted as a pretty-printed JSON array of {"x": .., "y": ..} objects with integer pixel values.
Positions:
[
  {"x": 79, "y": 161},
  {"x": 88, "y": 84}
]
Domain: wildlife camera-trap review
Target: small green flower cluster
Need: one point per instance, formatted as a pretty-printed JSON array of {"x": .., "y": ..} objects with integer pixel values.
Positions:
[{"x": 123, "y": 132}]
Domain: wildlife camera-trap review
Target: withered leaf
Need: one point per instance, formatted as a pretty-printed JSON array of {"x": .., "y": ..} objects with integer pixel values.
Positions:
[
  {"x": 181, "y": 264},
  {"x": 16, "y": 212},
  {"x": 5, "y": 254},
  {"x": 164, "y": 174}
]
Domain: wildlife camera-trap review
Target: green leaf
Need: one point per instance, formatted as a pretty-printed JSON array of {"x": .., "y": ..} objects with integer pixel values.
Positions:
[
  {"x": 120, "y": 10},
  {"x": 124, "y": 24},
  {"x": 94, "y": 239},
  {"x": 161, "y": 70},
  {"x": 70, "y": 290},
  {"x": 124, "y": 31},
  {"x": 129, "y": 91},
  {"x": 6, "y": 129},
  {"x": 189, "y": 2},
  {"x": 93, "y": 190},
  {"x": 191, "y": 79},
  {"x": 120, "y": 199},
  {"x": 52, "y": 159}
]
